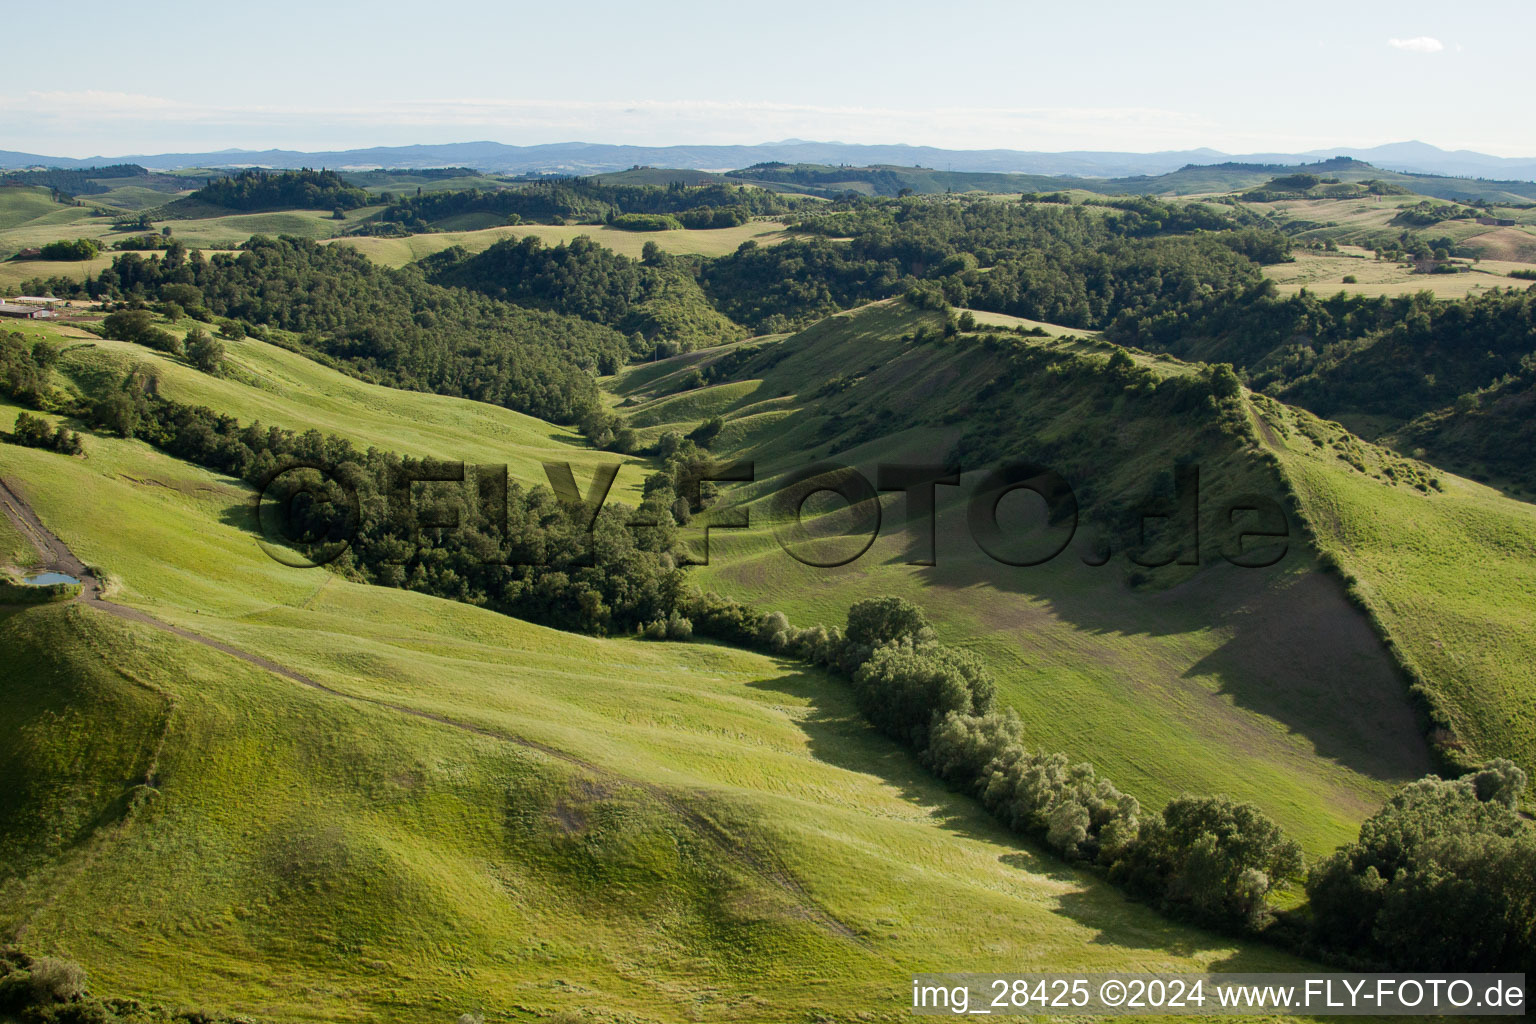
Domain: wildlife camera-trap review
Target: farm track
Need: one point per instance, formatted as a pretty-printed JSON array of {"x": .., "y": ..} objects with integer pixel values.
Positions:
[{"x": 57, "y": 557}]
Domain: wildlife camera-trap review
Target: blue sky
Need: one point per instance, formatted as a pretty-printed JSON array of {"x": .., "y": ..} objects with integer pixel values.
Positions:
[{"x": 110, "y": 78}]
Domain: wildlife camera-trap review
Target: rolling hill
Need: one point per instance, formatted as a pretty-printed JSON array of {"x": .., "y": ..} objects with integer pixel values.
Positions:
[
  {"x": 1223, "y": 679},
  {"x": 433, "y": 809}
]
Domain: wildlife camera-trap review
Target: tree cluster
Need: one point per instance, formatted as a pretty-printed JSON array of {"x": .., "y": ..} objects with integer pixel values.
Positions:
[
  {"x": 33, "y": 432},
  {"x": 305, "y": 189},
  {"x": 1441, "y": 878},
  {"x": 391, "y": 326}
]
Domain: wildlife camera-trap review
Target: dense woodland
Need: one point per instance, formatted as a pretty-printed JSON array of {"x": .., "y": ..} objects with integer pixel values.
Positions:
[
  {"x": 255, "y": 190},
  {"x": 658, "y": 297},
  {"x": 583, "y": 200},
  {"x": 392, "y": 326}
]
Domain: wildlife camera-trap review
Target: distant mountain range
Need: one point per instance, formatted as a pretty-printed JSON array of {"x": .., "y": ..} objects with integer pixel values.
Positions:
[{"x": 593, "y": 158}]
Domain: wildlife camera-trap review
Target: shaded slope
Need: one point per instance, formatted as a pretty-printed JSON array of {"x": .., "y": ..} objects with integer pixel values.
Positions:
[
  {"x": 1447, "y": 572},
  {"x": 1212, "y": 680}
]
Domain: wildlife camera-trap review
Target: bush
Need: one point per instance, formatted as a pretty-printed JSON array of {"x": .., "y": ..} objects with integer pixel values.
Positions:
[
  {"x": 79, "y": 249},
  {"x": 205, "y": 351},
  {"x": 33, "y": 432},
  {"x": 55, "y": 980},
  {"x": 645, "y": 222},
  {"x": 881, "y": 620},
  {"x": 1443, "y": 877},
  {"x": 1210, "y": 859},
  {"x": 903, "y": 687}
]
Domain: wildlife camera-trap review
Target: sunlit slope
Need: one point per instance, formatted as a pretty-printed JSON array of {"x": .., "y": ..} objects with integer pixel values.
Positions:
[
  {"x": 397, "y": 252},
  {"x": 1450, "y": 574},
  {"x": 1265, "y": 684},
  {"x": 277, "y": 387},
  {"x": 485, "y": 815}
]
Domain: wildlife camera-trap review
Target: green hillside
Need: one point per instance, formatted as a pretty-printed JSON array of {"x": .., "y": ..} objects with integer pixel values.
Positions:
[
  {"x": 1224, "y": 679},
  {"x": 464, "y": 812},
  {"x": 1447, "y": 573},
  {"x": 277, "y": 387}
]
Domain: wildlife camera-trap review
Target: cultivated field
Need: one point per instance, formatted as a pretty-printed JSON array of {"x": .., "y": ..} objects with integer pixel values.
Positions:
[{"x": 1323, "y": 273}]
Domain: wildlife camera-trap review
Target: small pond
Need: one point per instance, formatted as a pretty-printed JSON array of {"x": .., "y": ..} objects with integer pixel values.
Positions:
[{"x": 47, "y": 579}]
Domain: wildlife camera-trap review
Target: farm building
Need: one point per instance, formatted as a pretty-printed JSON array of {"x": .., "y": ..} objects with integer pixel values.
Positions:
[
  {"x": 36, "y": 300},
  {"x": 27, "y": 312}
]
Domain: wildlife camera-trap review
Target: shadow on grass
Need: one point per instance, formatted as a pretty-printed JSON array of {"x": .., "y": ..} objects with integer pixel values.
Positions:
[{"x": 839, "y": 736}]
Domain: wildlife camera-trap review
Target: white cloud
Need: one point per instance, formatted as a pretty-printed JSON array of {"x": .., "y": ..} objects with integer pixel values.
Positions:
[{"x": 1418, "y": 44}]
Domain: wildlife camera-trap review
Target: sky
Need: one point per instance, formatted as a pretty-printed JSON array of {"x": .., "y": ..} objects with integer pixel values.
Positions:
[{"x": 108, "y": 79}]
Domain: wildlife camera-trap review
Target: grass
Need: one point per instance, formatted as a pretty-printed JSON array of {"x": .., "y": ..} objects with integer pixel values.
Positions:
[
  {"x": 1360, "y": 221},
  {"x": 30, "y": 218},
  {"x": 718, "y": 838},
  {"x": 280, "y": 388},
  {"x": 397, "y": 252},
  {"x": 1227, "y": 681},
  {"x": 1449, "y": 574},
  {"x": 1324, "y": 273}
]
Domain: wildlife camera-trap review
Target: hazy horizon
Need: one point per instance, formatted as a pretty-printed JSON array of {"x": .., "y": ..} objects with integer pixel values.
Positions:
[{"x": 1003, "y": 76}]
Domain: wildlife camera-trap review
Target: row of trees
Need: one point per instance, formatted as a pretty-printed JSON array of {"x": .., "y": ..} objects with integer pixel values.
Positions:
[{"x": 1203, "y": 858}]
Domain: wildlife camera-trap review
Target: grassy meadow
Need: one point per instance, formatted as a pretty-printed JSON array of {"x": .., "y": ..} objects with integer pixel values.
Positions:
[
  {"x": 277, "y": 387},
  {"x": 397, "y": 252},
  {"x": 1323, "y": 273},
  {"x": 1228, "y": 681},
  {"x": 1449, "y": 574},
  {"x": 478, "y": 814}
]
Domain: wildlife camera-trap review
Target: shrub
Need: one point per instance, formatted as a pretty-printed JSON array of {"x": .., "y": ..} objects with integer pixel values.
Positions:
[
  {"x": 33, "y": 432},
  {"x": 1442, "y": 877},
  {"x": 679, "y": 627},
  {"x": 79, "y": 249},
  {"x": 205, "y": 351},
  {"x": 903, "y": 687},
  {"x": 1210, "y": 859},
  {"x": 646, "y": 222},
  {"x": 55, "y": 980}
]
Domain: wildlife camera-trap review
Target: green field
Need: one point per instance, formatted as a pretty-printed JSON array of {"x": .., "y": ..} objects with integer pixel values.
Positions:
[
  {"x": 1323, "y": 273},
  {"x": 1230, "y": 681},
  {"x": 280, "y": 388},
  {"x": 247, "y": 788},
  {"x": 479, "y": 814},
  {"x": 397, "y": 252},
  {"x": 1449, "y": 574}
]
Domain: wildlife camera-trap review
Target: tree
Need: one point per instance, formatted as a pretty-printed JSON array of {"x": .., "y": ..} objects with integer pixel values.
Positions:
[
  {"x": 1225, "y": 384},
  {"x": 205, "y": 351},
  {"x": 1212, "y": 859},
  {"x": 880, "y": 620},
  {"x": 1441, "y": 877}
]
